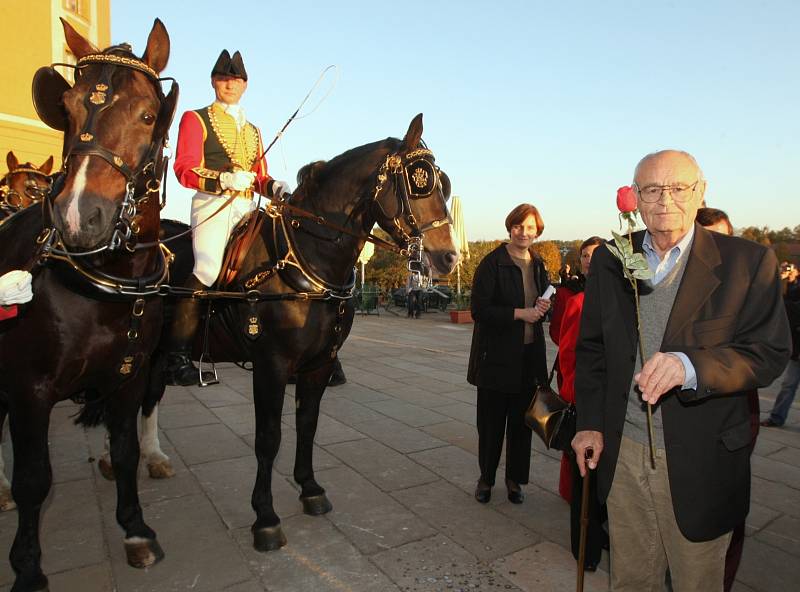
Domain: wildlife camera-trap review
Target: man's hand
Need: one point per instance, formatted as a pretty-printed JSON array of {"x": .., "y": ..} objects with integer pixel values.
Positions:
[
  {"x": 587, "y": 440},
  {"x": 279, "y": 188},
  {"x": 543, "y": 305},
  {"x": 237, "y": 181},
  {"x": 660, "y": 374}
]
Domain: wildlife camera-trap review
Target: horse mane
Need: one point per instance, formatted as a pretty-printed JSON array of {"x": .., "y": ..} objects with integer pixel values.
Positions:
[{"x": 314, "y": 174}]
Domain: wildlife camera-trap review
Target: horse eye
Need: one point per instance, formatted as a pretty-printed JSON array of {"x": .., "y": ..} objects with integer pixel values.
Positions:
[{"x": 148, "y": 118}]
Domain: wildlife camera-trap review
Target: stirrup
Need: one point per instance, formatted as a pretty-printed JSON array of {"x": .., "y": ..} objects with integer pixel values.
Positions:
[{"x": 200, "y": 363}]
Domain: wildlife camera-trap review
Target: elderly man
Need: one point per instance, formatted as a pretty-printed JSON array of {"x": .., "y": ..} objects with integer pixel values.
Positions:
[{"x": 712, "y": 328}]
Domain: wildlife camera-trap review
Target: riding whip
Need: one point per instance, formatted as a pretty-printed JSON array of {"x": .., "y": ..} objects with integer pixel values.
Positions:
[{"x": 303, "y": 102}]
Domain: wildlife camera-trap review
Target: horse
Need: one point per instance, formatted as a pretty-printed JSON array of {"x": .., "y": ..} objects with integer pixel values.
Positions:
[
  {"x": 97, "y": 269},
  {"x": 288, "y": 309},
  {"x": 23, "y": 184}
]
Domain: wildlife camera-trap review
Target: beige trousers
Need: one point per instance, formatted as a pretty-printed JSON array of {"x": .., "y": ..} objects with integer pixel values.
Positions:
[
  {"x": 645, "y": 538},
  {"x": 210, "y": 238}
]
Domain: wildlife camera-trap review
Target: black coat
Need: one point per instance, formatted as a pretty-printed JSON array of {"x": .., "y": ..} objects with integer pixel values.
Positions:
[
  {"x": 495, "y": 359},
  {"x": 729, "y": 320}
]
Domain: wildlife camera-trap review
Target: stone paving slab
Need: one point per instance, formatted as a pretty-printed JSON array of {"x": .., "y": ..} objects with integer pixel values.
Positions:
[
  {"x": 371, "y": 520},
  {"x": 404, "y": 515},
  {"x": 547, "y": 566},
  {"x": 318, "y": 558},
  {"x": 479, "y": 529},
  {"x": 436, "y": 564},
  {"x": 386, "y": 468}
]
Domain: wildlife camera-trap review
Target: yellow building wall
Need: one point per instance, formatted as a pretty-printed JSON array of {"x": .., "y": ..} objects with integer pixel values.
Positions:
[{"x": 33, "y": 37}]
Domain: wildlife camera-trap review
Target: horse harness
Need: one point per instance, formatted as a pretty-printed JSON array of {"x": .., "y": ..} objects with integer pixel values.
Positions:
[
  {"x": 11, "y": 199},
  {"x": 143, "y": 181}
]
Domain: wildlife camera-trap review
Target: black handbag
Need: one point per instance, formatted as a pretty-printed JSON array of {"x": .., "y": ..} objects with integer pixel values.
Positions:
[{"x": 551, "y": 417}]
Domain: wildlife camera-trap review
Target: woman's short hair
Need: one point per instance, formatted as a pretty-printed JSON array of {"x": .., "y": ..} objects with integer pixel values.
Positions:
[
  {"x": 520, "y": 213},
  {"x": 592, "y": 240},
  {"x": 711, "y": 216}
]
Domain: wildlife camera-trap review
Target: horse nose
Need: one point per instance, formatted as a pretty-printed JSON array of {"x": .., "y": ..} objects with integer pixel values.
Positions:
[
  {"x": 450, "y": 259},
  {"x": 94, "y": 221}
]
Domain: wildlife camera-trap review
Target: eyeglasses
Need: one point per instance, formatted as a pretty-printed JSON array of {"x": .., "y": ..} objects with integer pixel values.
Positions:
[{"x": 653, "y": 193}]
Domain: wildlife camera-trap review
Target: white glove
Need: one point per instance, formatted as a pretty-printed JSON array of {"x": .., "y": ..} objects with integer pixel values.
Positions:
[
  {"x": 279, "y": 188},
  {"x": 237, "y": 180},
  {"x": 15, "y": 287}
]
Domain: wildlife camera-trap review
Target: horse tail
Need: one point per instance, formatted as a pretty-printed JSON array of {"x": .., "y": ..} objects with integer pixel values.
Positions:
[{"x": 93, "y": 409}]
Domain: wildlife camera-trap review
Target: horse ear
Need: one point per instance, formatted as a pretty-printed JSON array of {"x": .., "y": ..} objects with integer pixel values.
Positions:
[
  {"x": 77, "y": 43},
  {"x": 414, "y": 134},
  {"x": 157, "y": 53},
  {"x": 47, "y": 165},
  {"x": 11, "y": 160}
]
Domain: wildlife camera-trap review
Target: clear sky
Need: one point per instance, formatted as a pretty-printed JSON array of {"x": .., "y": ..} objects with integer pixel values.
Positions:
[{"x": 552, "y": 103}]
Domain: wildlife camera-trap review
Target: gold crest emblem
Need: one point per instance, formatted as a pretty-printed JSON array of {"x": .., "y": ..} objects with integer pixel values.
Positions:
[
  {"x": 117, "y": 161},
  {"x": 127, "y": 365},
  {"x": 87, "y": 137},
  {"x": 101, "y": 87},
  {"x": 253, "y": 328},
  {"x": 97, "y": 98},
  {"x": 420, "y": 178}
]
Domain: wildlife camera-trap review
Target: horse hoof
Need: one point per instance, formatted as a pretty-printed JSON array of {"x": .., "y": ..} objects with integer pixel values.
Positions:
[
  {"x": 160, "y": 470},
  {"x": 106, "y": 469},
  {"x": 37, "y": 584},
  {"x": 270, "y": 538},
  {"x": 143, "y": 552},
  {"x": 316, "y": 505},
  {"x": 6, "y": 502}
]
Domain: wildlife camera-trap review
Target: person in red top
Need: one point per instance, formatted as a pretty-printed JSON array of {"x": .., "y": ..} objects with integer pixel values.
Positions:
[
  {"x": 570, "y": 481},
  {"x": 220, "y": 155}
]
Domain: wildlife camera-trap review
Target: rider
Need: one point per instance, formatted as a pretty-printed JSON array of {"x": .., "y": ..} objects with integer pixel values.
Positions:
[{"x": 220, "y": 155}]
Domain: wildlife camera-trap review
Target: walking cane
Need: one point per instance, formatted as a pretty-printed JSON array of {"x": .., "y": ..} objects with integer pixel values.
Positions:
[{"x": 584, "y": 521}]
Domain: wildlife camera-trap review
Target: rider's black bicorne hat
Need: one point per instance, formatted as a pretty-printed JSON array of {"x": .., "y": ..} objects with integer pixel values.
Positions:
[{"x": 230, "y": 66}]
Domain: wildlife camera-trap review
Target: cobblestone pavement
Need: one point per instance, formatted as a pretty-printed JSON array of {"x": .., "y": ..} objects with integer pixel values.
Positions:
[{"x": 396, "y": 450}]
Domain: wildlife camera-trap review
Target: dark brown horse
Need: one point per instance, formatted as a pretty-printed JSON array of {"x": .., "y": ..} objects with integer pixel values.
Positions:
[
  {"x": 289, "y": 309},
  {"x": 23, "y": 184},
  {"x": 95, "y": 317}
]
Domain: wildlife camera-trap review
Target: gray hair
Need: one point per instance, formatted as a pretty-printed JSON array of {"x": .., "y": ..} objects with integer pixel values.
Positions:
[{"x": 689, "y": 157}]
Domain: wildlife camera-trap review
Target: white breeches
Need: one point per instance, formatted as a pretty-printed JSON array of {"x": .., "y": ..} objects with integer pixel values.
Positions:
[{"x": 209, "y": 238}]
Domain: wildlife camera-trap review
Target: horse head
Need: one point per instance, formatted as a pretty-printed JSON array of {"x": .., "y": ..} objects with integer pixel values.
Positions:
[
  {"x": 115, "y": 120},
  {"x": 414, "y": 211},
  {"x": 24, "y": 184}
]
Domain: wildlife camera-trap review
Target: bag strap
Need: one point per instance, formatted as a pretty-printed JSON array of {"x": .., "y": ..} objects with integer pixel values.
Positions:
[{"x": 552, "y": 371}]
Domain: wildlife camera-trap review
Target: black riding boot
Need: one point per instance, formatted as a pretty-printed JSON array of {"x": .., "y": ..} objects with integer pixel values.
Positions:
[{"x": 180, "y": 370}]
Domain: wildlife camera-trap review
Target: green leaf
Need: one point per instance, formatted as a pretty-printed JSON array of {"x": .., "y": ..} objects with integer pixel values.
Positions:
[
  {"x": 642, "y": 274},
  {"x": 615, "y": 251},
  {"x": 637, "y": 261}
]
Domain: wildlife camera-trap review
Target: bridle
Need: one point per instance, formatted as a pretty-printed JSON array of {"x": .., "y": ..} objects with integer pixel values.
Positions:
[
  {"x": 142, "y": 180},
  {"x": 11, "y": 200},
  {"x": 414, "y": 176}
]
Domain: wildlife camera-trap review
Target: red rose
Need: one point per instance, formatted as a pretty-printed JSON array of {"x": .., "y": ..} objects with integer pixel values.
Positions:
[{"x": 626, "y": 199}]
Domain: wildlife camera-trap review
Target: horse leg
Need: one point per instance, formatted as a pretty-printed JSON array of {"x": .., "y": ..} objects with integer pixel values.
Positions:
[
  {"x": 31, "y": 480},
  {"x": 6, "y": 500},
  {"x": 268, "y": 387},
  {"x": 141, "y": 547},
  {"x": 308, "y": 394},
  {"x": 158, "y": 463}
]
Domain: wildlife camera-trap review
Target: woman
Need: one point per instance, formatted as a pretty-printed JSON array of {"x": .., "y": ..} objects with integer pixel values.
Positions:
[
  {"x": 570, "y": 482},
  {"x": 507, "y": 357}
]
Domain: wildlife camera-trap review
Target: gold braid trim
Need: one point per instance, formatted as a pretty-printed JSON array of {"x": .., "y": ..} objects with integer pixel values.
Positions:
[{"x": 107, "y": 58}]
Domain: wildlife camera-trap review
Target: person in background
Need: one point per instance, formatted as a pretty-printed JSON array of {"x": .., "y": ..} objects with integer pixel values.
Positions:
[
  {"x": 711, "y": 329},
  {"x": 570, "y": 481},
  {"x": 791, "y": 300},
  {"x": 414, "y": 295},
  {"x": 507, "y": 356},
  {"x": 718, "y": 221}
]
